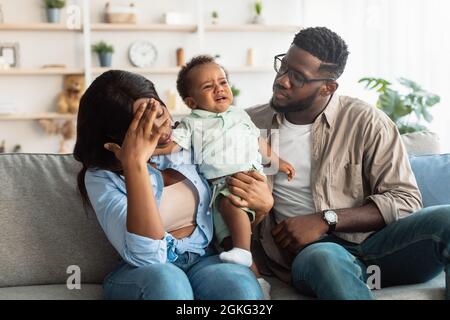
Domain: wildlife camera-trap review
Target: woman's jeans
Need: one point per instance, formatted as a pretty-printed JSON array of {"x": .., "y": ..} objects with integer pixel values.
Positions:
[
  {"x": 411, "y": 250},
  {"x": 190, "y": 277}
]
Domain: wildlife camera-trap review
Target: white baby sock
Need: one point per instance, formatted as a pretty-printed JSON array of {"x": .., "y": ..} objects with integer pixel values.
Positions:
[
  {"x": 265, "y": 287},
  {"x": 238, "y": 256}
]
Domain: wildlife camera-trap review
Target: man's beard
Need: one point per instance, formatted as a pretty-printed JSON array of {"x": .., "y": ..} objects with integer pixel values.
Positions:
[{"x": 295, "y": 106}]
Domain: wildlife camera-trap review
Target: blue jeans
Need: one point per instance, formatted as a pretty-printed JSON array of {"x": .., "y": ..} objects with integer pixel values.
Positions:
[
  {"x": 190, "y": 277},
  {"x": 411, "y": 250}
]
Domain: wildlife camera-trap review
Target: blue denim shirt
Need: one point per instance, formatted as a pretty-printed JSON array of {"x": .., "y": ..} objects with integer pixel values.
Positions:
[{"x": 108, "y": 196}]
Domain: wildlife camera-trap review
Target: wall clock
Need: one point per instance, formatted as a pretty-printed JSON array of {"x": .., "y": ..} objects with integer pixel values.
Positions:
[{"x": 142, "y": 54}]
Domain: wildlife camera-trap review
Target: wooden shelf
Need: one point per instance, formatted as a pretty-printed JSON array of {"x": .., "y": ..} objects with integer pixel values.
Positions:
[
  {"x": 143, "y": 27},
  {"x": 37, "y": 116},
  {"x": 252, "y": 28},
  {"x": 39, "y": 71},
  {"x": 35, "y": 27},
  {"x": 157, "y": 27},
  {"x": 172, "y": 70},
  {"x": 250, "y": 69},
  {"x": 99, "y": 70}
]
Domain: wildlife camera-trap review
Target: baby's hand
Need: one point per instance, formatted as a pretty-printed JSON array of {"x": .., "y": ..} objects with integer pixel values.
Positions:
[{"x": 287, "y": 168}]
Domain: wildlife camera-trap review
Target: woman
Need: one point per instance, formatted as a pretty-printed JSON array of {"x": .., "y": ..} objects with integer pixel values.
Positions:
[{"x": 154, "y": 210}]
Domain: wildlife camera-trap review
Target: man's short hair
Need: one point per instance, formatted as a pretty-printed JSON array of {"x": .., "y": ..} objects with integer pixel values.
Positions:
[
  {"x": 325, "y": 45},
  {"x": 183, "y": 81}
]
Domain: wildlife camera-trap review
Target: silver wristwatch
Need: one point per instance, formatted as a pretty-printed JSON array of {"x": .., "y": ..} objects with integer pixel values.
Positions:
[{"x": 331, "y": 218}]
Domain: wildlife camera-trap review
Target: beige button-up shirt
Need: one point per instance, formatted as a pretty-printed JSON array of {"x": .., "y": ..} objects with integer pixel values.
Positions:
[{"x": 356, "y": 156}]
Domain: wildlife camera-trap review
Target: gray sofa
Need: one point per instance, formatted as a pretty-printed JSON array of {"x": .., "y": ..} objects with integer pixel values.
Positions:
[{"x": 45, "y": 229}]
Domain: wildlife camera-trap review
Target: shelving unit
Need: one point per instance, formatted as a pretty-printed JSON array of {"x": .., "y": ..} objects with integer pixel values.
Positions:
[
  {"x": 174, "y": 70},
  {"x": 39, "y": 71},
  {"x": 251, "y": 28},
  {"x": 36, "y": 27},
  {"x": 37, "y": 116},
  {"x": 170, "y": 70},
  {"x": 143, "y": 27},
  {"x": 89, "y": 31}
]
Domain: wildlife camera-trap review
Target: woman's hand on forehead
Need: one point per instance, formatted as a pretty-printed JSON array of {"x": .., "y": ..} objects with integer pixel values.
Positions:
[{"x": 148, "y": 101}]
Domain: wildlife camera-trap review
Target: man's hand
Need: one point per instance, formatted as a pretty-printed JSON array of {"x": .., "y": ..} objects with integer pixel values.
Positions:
[
  {"x": 297, "y": 232},
  {"x": 250, "y": 190}
]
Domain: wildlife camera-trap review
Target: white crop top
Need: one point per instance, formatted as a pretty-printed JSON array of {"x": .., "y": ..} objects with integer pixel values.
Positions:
[{"x": 178, "y": 205}]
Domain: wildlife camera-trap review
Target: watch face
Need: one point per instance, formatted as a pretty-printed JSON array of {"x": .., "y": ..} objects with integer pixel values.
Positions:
[
  {"x": 142, "y": 54},
  {"x": 331, "y": 216}
]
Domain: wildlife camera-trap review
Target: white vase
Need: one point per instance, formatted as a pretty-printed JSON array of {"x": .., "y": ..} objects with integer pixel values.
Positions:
[{"x": 259, "y": 19}]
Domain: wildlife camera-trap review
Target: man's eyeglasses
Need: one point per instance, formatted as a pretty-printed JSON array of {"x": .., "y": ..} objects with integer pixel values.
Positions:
[{"x": 296, "y": 78}]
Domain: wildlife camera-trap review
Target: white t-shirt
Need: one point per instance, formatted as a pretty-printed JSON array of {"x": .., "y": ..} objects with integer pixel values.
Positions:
[{"x": 293, "y": 198}]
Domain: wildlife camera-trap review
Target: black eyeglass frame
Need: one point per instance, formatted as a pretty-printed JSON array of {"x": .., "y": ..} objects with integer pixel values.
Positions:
[{"x": 290, "y": 73}]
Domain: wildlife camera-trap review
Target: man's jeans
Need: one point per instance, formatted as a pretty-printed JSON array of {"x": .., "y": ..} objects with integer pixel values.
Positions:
[
  {"x": 190, "y": 277},
  {"x": 411, "y": 250}
]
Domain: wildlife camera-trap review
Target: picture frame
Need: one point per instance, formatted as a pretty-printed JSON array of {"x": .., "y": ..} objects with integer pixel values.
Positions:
[{"x": 9, "y": 52}]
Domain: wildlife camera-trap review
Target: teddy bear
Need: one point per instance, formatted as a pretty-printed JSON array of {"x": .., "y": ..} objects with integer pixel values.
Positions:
[
  {"x": 69, "y": 98},
  {"x": 66, "y": 129}
]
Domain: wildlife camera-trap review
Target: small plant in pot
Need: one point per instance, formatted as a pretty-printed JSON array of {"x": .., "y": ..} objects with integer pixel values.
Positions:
[
  {"x": 104, "y": 52},
  {"x": 236, "y": 92},
  {"x": 258, "y": 7},
  {"x": 53, "y": 10},
  {"x": 214, "y": 17}
]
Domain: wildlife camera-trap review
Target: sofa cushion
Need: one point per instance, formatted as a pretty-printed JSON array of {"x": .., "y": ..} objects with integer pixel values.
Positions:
[
  {"x": 52, "y": 292},
  {"x": 44, "y": 226},
  {"x": 422, "y": 142},
  {"x": 430, "y": 290},
  {"x": 432, "y": 173}
]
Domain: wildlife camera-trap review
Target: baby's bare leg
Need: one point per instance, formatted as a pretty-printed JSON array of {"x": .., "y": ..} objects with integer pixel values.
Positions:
[{"x": 237, "y": 222}]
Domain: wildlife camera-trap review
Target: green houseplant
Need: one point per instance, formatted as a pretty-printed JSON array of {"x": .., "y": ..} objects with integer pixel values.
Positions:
[
  {"x": 214, "y": 17},
  {"x": 258, "y": 8},
  {"x": 53, "y": 10},
  {"x": 104, "y": 52},
  {"x": 402, "y": 106},
  {"x": 236, "y": 92}
]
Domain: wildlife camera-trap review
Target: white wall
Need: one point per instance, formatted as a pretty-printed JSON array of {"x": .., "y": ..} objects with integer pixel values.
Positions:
[
  {"x": 387, "y": 38},
  {"x": 393, "y": 39}
]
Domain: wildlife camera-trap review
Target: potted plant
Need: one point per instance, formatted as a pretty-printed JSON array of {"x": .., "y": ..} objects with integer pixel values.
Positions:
[
  {"x": 214, "y": 17},
  {"x": 236, "y": 92},
  {"x": 104, "y": 52},
  {"x": 407, "y": 109},
  {"x": 258, "y": 7},
  {"x": 53, "y": 10}
]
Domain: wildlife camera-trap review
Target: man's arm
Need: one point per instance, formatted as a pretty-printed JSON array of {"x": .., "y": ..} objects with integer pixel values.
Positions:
[
  {"x": 387, "y": 169},
  {"x": 361, "y": 219},
  {"x": 394, "y": 192},
  {"x": 297, "y": 232}
]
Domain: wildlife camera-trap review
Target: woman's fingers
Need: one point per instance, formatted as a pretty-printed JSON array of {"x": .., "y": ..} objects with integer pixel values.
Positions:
[
  {"x": 137, "y": 116},
  {"x": 149, "y": 120}
]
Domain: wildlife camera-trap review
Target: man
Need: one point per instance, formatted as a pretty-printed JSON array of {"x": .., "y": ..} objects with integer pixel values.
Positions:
[{"x": 350, "y": 205}]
